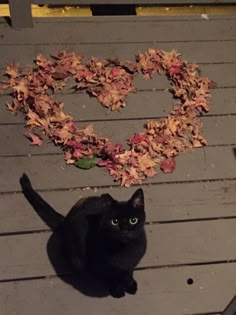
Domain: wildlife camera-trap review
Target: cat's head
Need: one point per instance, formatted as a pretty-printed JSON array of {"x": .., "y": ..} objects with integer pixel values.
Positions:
[{"x": 124, "y": 220}]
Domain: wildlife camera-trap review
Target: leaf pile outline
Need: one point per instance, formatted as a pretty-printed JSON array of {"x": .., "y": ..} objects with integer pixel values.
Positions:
[{"x": 110, "y": 81}]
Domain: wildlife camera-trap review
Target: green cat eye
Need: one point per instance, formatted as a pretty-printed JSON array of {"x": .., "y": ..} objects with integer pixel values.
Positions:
[
  {"x": 133, "y": 220},
  {"x": 114, "y": 221}
]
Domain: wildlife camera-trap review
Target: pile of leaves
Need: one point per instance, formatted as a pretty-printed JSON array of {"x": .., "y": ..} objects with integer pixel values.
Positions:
[{"x": 111, "y": 81}]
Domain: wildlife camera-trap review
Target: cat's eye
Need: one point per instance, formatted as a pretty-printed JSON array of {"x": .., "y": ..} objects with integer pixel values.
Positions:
[
  {"x": 115, "y": 221},
  {"x": 133, "y": 220}
]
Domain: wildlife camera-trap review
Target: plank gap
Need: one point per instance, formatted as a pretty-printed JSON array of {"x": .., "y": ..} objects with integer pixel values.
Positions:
[{"x": 116, "y": 186}]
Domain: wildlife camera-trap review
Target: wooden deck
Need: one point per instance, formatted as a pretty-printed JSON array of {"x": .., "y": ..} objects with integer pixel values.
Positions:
[{"x": 190, "y": 265}]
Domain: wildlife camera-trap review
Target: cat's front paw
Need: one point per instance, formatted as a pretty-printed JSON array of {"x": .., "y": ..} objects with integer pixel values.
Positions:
[
  {"x": 132, "y": 287},
  {"x": 117, "y": 292}
]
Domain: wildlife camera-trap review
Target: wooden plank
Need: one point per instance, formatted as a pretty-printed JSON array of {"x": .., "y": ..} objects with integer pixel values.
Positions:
[
  {"x": 50, "y": 172},
  {"x": 211, "y": 71},
  {"x": 149, "y": 104},
  {"x": 189, "y": 201},
  {"x": 135, "y": 30},
  {"x": 217, "y": 130},
  {"x": 222, "y": 74},
  {"x": 199, "y": 52},
  {"x": 111, "y": 18},
  {"x": 168, "y": 245},
  {"x": 159, "y": 289}
]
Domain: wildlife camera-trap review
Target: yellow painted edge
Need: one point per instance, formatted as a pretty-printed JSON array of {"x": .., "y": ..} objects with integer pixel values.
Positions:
[
  {"x": 4, "y": 10},
  {"x": 185, "y": 10},
  {"x": 51, "y": 12},
  {"x": 68, "y": 11}
]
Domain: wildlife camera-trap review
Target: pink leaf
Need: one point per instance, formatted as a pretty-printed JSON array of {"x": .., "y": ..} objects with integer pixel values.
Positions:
[
  {"x": 106, "y": 163},
  {"x": 77, "y": 154},
  {"x": 35, "y": 139}
]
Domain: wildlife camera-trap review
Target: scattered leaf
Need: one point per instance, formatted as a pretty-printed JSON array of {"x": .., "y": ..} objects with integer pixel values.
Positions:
[
  {"x": 86, "y": 163},
  {"x": 35, "y": 139},
  {"x": 168, "y": 165}
]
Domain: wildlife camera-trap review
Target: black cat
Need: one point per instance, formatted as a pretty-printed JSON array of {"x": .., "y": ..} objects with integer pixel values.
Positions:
[{"x": 100, "y": 235}]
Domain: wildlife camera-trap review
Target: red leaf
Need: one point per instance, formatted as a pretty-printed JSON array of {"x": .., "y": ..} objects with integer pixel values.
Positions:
[
  {"x": 175, "y": 69},
  {"x": 212, "y": 85},
  {"x": 59, "y": 75},
  {"x": 137, "y": 138},
  {"x": 168, "y": 165},
  {"x": 75, "y": 144}
]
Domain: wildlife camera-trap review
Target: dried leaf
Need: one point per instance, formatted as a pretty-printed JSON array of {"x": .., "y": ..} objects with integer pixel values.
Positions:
[
  {"x": 12, "y": 71},
  {"x": 168, "y": 165},
  {"x": 35, "y": 139}
]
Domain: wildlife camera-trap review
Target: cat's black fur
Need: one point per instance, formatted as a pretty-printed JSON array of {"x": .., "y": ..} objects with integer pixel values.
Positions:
[{"x": 100, "y": 235}]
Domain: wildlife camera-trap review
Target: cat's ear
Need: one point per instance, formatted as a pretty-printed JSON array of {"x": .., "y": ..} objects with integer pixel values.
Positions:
[
  {"x": 137, "y": 199},
  {"x": 107, "y": 199}
]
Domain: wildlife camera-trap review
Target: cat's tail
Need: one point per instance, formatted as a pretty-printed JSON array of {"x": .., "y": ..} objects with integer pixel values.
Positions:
[{"x": 49, "y": 215}]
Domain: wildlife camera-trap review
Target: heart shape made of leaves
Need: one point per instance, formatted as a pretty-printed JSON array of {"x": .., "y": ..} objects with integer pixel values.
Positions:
[{"x": 111, "y": 81}]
